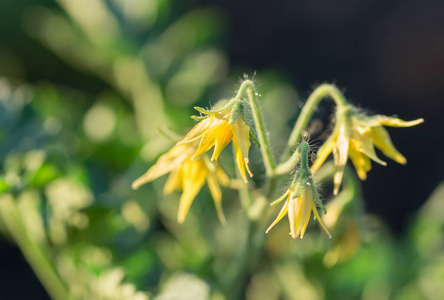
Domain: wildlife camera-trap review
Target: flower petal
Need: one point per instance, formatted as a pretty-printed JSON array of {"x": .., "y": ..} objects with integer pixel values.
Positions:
[
  {"x": 242, "y": 163},
  {"x": 340, "y": 156},
  {"x": 306, "y": 203},
  {"x": 222, "y": 177},
  {"x": 383, "y": 141},
  {"x": 194, "y": 174},
  {"x": 217, "y": 196},
  {"x": 293, "y": 213},
  {"x": 362, "y": 135},
  {"x": 167, "y": 162},
  {"x": 321, "y": 156},
  {"x": 223, "y": 138},
  {"x": 241, "y": 133},
  {"x": 315, "y": 212},
  {"x": 197, "y": 131},
  {"x": 174, "y": 182},
  {"x": 281, "y": 214},
  {"x": 393, "y": 122},
  {"x": 360, "y": 161}
]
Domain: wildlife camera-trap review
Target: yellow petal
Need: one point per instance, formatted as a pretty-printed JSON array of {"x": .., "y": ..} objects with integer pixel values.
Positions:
[
  {"x": 340, "y": 155},
  {"x": 383, "y": 141},
  {"x": 198, "y": 130},
  {"x": 294, "y": 207},
  {"x": 174, "y": 181},
  {"x": 362, "y": 136},
  {"x": 241, "y": 133},
  {"x": 222, "y": 177},
  {"x": 240, "y": 161},
  {"x": 194, "y": 174},
  {"x": 207, "y": 141},
  {"x": 217, "y": 196},
  {"x": 223, "y": 138},
  {"x": 315, "y": 212},
  {"x": 305, "y": 211},
  {"x": 321, "y": 156},
  {"x": 173, "y": 159},
  {"x": 281, "y": 214},
  {"x": 360, "y": 161},
  {"x": 393, "y": 122}
]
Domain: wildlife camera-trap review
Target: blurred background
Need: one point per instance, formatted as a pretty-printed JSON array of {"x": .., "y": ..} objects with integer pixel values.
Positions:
[{"x": 85, "y": 84}]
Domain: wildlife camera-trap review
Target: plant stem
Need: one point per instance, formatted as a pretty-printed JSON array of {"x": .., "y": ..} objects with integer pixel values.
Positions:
[
  {"x": 288, "y": 165},
  {"x": 316, "y": 96},
  {"x": 31, "y": 250},
  {"x": 248, "y": 87}
]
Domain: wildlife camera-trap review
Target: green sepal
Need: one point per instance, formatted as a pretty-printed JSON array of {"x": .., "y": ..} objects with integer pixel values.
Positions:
[
  {"x": 235, "y": 113},
  {"x": 280, "y": 199},
  {"x": 253, "y": 137},
  {"x": 199, "y": 118},
  {"x": 252, "y": 131},
  {"x": 219, "y": 107},
  {"x": 317, "y": 201}
]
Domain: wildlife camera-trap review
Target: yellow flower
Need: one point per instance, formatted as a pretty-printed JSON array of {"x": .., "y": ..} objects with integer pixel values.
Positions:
[
  {"x": 299, "y": 210},
  {"x": 216, "y": 131},
  {"x": 187, "y": 175},
  {"x": 356, "y": 137}
]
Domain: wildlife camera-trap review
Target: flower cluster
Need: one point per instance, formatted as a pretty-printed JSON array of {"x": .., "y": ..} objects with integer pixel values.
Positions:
[
  {"x": 355, "y": 136},
  {"x": 190, "y": 167}
]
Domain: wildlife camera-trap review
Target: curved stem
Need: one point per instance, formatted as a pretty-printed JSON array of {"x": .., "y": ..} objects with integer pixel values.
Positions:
[
  {"x": 248, "y": 87},
  {"x": 289, "y": 165},
  {"x": 33, "y": 253},
  {"x": 316, "y": 96}
]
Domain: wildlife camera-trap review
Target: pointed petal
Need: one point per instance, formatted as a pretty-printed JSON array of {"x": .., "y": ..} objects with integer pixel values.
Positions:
[
  {"x": 305, "y": 211},
  {"x": 360, "y": 162},
  {"x": 198, "y": 130},
  {"x": 393, "y": 122},
  {"x": 174, "y": 182},
  {"x": 321, "y": 156},
  {"x": 207, "y": 141},
  {"x": 239, "y": 159},
  {"x": 224, "y": 137},
  {"x": 281, "y": 214},
  {"x": 194, "y": 174},
  {"x": 315, "y": 212},
  {"x": 362, "y": 135},
  {"x": 241, "y": 132},
  {"x": 382, "y": 140},
  {"x": 222, "y": 177},
  {"x": 340, "y": 155},
  {"x": 217, "y": 196},
  {"x": 294, "y": 206},
  {"x": 167, "y": 162},
  {"x": 280, "y": 199}
]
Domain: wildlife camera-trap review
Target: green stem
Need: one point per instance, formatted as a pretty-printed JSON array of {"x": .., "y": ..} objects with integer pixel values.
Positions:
[
  {"x": 289, "y": 165},
  {"x": 31, "y": 250},
  {"x": 316, "y": 96},
  {"x": 248, "y": 87}
]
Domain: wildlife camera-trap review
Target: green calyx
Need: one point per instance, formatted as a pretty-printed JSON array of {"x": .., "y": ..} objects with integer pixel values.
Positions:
[
  {"x": 237, "y": 109},
  {"x": 304, "y": 179}
]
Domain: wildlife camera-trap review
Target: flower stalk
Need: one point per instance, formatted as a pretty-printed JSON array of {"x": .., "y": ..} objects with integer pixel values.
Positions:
[
  {"x": 322, "y": 91},
  {"x": 248, "y": 87}
]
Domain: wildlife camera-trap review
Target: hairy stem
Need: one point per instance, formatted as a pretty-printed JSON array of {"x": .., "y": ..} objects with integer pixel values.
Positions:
[
  {"x": 248, "y": 87},
  {"x": 316, "y": 96}
]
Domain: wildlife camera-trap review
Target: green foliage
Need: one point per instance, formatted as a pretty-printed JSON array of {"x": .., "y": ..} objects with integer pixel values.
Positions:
[{"x": 69, "y": 155}]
